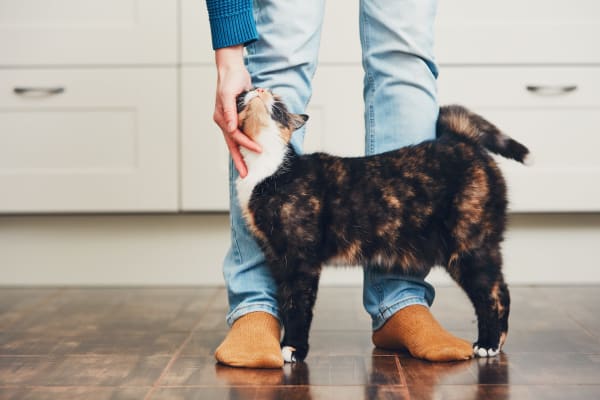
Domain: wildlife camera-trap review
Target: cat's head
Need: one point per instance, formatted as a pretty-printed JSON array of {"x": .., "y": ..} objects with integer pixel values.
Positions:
[{"x": 262, "y": 112}]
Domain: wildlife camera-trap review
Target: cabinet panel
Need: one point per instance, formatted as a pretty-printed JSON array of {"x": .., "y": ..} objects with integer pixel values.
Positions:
[
  {"x": 88, "y": 32},
  {"x": 204, "y": 156},
  {"x": 196, "y": 42},
  {"x": 90, "y": 140},
  {"x": 517, "y": 32},
  {"x": 557, "y": 122}
]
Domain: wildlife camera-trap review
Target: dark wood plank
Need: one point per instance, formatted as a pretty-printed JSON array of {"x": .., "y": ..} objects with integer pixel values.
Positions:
[
  {"x": 70, "y": 393},
  {"x": 108, "y": 370},
  {"x": 283, "y": 393}
]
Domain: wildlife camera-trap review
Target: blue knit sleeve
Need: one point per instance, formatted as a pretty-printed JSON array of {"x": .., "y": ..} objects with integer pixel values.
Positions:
[{"x": 231, "y": 22}]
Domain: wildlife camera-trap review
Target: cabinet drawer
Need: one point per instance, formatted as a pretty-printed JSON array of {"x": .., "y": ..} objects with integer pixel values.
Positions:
[
  {"x": 559, "y": 127},
  {"x": 88, "y": 140},
  {"x": 88, "y": 32},
  {"x": 518, "y": 32}
]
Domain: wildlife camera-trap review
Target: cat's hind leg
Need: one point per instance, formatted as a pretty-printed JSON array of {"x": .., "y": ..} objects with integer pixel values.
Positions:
[{"x": 479, "y": 274}]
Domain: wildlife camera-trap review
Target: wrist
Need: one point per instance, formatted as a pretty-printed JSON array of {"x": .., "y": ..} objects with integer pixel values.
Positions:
[{"x": 230, "y": 57}]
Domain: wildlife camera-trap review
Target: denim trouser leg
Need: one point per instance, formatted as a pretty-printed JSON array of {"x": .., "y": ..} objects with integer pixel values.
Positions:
[
  {"x": 400, "y": 109},
  {"x": 284, "y": 60}
]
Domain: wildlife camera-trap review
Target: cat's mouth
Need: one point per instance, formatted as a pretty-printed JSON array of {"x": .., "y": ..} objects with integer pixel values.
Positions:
[
  {"x": 254, "y": 111},
  {"x": 244, "y": 98}
]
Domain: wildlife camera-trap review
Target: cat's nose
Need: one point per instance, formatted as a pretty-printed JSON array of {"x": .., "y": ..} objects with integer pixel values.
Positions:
[{"x": 260, "y": 90}]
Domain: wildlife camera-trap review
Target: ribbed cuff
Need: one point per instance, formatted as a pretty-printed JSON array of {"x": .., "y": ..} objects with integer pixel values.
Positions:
[{"x": 231, "y": 30}]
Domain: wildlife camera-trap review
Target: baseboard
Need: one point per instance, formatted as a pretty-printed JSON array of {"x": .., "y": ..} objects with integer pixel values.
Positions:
[{"x": 187, "y": 249}]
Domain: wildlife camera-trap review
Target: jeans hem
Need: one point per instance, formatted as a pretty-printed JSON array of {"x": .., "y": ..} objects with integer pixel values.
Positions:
[
  {"x": 243, "y": 310},
  {"x": 387, "y": 312}
]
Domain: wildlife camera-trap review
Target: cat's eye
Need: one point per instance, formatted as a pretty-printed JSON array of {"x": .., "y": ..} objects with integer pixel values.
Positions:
[
  {"x": 280, "y": 114},
  {"x": 239, "y": 100}
]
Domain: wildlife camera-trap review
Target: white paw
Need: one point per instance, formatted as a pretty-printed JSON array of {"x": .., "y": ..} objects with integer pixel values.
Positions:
[
  {"x": 481, "y": 352},
  {"x": 288, "y": 354}
]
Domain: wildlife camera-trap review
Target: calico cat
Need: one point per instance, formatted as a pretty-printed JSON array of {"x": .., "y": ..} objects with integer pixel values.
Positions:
[{"x": 441, "y": 202}]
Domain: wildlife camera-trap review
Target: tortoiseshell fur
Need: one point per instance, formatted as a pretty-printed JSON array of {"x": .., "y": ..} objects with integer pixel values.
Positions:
[{"x": 442, "y": 202}]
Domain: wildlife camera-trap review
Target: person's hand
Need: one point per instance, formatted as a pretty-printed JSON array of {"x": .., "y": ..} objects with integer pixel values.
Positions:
[{"x": 232, "y": 79}]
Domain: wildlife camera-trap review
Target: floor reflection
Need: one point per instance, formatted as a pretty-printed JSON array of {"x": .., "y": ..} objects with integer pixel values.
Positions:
[
  {"x": 385, "y": 377},
  {"x": 290, "y": 382},
  {"x": 469, "y": 380}
]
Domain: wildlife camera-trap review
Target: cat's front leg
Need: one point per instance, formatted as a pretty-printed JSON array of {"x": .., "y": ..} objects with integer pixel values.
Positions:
[{"x": 297, "y": 295}]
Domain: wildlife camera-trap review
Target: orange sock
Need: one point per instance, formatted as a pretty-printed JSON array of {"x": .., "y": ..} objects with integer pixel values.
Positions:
[
  {"x": 252, "y": 342},
  {"x": 414, "y": 328}
]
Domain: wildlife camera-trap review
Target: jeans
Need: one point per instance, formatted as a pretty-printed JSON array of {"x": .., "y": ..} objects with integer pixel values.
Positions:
[{"x": 400, "y": 109}]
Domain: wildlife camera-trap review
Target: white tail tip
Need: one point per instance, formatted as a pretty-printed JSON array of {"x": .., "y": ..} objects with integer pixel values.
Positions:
[{"x": 529, "y": 160}]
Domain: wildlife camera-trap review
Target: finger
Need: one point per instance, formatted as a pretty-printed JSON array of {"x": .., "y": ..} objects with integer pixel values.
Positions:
[
  {"x": 241, "y": 139},
  {"x": 219, "y": 118},
  {"x": 230, "y": 114},
  {"x": 236, "y": 156}
]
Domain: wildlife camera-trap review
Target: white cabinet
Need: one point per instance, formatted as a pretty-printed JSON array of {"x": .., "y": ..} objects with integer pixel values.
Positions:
[
  {"x": 88, "y": 106},
  {"x": 88, "y": 32},
  {"x": 138, "y": 73},
  {"x": 88, "y": 140}
]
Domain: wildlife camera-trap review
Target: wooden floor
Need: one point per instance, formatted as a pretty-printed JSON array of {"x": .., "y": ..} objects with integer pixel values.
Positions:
[{"x": 157, "y": 343}]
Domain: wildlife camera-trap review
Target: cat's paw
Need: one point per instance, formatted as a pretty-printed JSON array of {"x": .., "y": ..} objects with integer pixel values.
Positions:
[
  {"x": 289, "y": 354},
  {"x": 294, "y": 353},
  {"x": 485, "y": 352},
  {"x": 488, "y": 348}
]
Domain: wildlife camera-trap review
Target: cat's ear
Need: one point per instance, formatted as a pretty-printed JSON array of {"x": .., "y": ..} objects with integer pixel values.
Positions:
[{"x": 298, "y": 120}]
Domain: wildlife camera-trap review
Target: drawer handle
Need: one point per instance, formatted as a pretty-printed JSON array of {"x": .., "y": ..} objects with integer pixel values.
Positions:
[
  {"x": 548, "y": 90},
  {"x": 39, "y": 91}
]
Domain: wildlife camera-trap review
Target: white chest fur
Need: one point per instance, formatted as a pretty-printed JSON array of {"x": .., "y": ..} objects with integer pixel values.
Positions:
[{"x": 261, "y": 165}]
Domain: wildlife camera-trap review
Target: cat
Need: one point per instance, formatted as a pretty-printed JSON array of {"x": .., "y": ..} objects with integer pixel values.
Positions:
[{"x": 440, "y": 202}]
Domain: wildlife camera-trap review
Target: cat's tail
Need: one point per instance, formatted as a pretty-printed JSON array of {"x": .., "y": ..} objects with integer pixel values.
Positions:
[{"x": 457, "y": 120}]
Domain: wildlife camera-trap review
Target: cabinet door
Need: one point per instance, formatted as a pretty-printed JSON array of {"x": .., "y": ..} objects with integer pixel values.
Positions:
[
  {"x": 518, "y": 32},
  {"x": 88, "y": 32},
  {"x": 555, "y": 112},
  {"x": 90, "y": 140}
]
